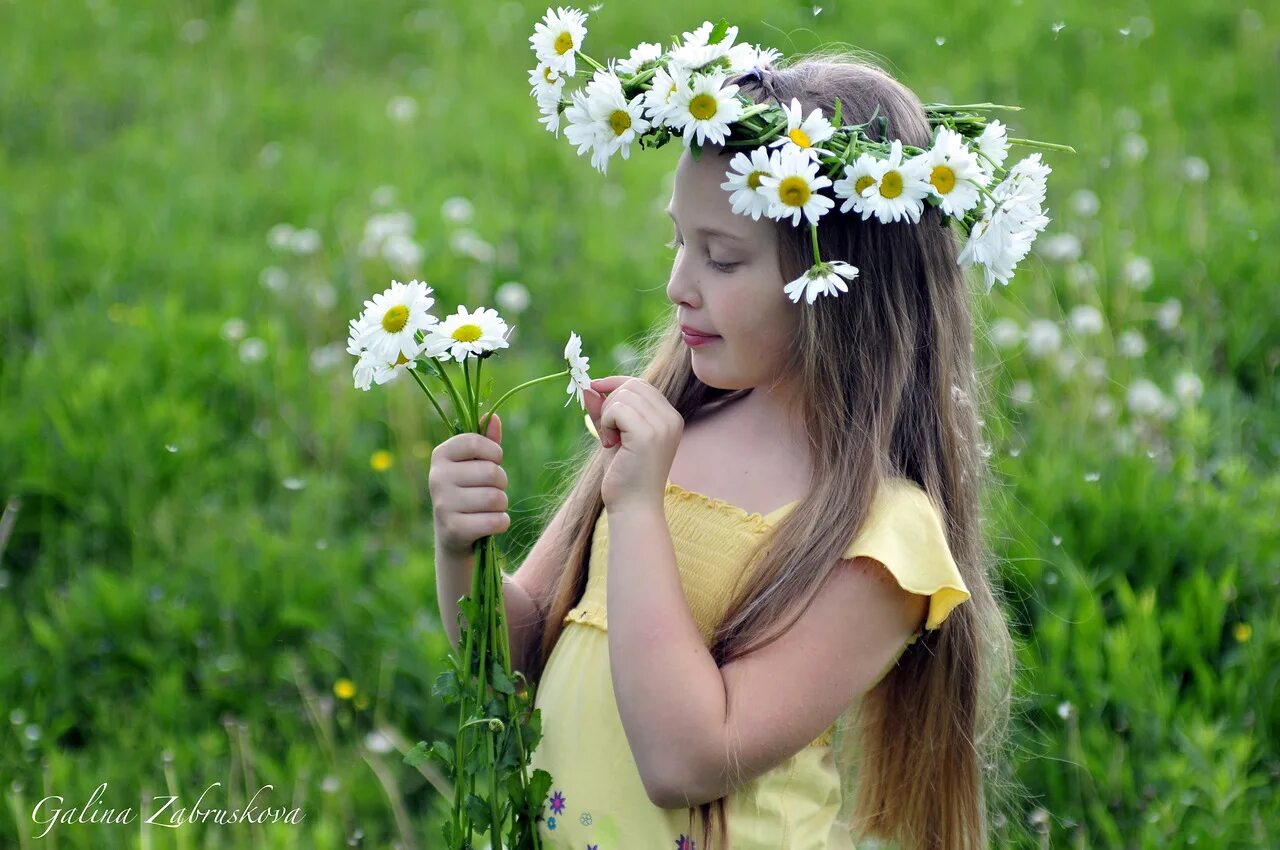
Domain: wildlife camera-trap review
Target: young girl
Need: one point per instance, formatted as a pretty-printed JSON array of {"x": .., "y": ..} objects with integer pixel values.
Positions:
[{"x": 745, "y": 622}]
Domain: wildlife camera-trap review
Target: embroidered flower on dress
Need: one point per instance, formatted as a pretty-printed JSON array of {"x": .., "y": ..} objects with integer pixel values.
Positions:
[
  {"x": 683, "y": 843},
  {"x": 551, "y": 822},
  {"x": 585, "y": 818},
  {"x": 557, "y": 803}
]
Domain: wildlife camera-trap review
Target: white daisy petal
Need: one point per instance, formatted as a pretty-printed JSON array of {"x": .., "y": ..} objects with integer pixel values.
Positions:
[
  {"x": 465, "y": 334},
  {"x": 704, "y": 106},
  {"x": 558, "y": 37},
  {"x": 804, "y": 134},
  {"x": 391, "y": 319},
  {"x": 749, "y": 196},
  {"x": 793, "y": 187},
  {"x": 579, "y": 379}
]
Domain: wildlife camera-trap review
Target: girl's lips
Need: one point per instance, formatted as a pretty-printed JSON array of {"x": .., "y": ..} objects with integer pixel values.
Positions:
[{"x": 696, "y": 339}]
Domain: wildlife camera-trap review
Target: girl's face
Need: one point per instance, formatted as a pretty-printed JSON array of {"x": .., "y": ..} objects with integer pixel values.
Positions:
[{"x": 726, "y": 281}]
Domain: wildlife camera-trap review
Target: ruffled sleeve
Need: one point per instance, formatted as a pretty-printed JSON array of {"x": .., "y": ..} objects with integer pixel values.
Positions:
[{"x": 904, "y": 532}]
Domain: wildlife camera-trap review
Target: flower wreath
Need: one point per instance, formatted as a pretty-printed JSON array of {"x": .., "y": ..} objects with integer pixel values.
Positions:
[{"x": 652, "y": 95}]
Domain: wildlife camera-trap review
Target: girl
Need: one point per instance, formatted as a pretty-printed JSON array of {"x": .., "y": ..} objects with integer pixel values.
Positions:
[{"x": 745, "y": 621}]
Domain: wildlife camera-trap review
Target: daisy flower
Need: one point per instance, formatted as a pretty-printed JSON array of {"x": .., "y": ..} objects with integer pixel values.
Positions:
[
  {"x": 1009, "y": 223},
  {"x": 603, "y": 121},
  {"x": 663, "y": 86},
  {"x": 369, "y": 370},
  {"x": 792, "y": 187},
  {"x": 745, "y": 56},
  {"x": 705, "y": 107},
  {"x": 821, "y": 279},
  {"x": 857, "y": 177},
  {"x": 749, "y": 196},
  {"x": 899, "y": 188},
  {"x": 694, "y": 52},
  {"x": 550, "y": 112},
  {"x": 464, "y": 334},
  {"x": 994, "y": 144},
  {"x": 642, "y": 54},
  {"x": 546, "y": 83},
  {"x": 391, "y": 319},
  {"x": 804, "y": 133},
  {"x": 557, "y": 38},
  {"x": 579, "y": 379},
  {"x": 954, "y": 174}
]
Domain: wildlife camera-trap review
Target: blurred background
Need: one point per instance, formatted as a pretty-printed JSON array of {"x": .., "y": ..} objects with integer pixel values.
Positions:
[{"x": 215, "y": 553}]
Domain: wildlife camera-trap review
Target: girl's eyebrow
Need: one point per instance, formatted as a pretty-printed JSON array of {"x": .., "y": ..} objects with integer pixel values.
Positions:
[{"x": 707, "y": 231}]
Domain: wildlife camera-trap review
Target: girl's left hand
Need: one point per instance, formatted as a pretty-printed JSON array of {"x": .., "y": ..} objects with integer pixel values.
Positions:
[{"x": 641, "y": 430}]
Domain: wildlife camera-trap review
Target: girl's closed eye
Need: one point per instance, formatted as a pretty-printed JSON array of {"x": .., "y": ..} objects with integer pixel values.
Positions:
[{"x": 722, "y": 268}]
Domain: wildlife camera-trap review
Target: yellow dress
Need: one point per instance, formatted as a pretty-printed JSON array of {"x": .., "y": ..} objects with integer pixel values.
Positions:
[{"x": 597, "y": 800}]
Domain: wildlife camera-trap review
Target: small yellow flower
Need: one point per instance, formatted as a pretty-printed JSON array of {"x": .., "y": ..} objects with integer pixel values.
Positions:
[
  {"x": 344, "y": 689},
  {"x": 381, "y": 460},
  {"x": 1244, "y": 631}
]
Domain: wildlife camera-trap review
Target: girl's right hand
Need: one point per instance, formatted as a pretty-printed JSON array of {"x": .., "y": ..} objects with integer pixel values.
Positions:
[{"x": 468, "y": 489}]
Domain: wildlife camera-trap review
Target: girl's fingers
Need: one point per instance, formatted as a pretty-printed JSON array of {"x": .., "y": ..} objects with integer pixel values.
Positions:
[{"x": 624, "y": 419}]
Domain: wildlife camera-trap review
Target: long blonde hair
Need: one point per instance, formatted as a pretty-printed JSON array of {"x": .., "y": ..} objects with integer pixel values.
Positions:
[{"x": 889, "y": 389}]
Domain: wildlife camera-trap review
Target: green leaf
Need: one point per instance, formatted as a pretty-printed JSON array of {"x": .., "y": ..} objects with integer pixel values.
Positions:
[
  {"x": 417, "y": 754},
  {"x": 718, "y": 32},
  {"x": 835, "y": 118},
  {"x": 695, "y": 151},
  {"x": 498, "y": 678},
  {"x": 470, "y": 609},
  {"x": 539, "y": 785},
  {"x": 446, "y": 686},
  {"x": 478, "y": 809}
]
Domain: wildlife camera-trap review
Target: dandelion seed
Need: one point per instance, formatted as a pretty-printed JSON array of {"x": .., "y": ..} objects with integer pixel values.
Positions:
[
  {"x": 1061, "y": 247},
  {"x": 1137, "y": 272},
  {"x": 512, "y": 297},
  {"x": 1005, "y": 333},
  {"x": 1188, "y": 388},
  {"x": 1169, "y": 313},
  {"x": 1134, "y": 147},
  {"x": 1043, "y": 338},
  {"x": 457, "y": 210},
  {"x": 280, "y": 236},
  {"x": 1195, "y": 169},
  {"x": 1085, "y": 320},
  {"x": 274, "y": 278},
  {"x": 1144, "y": 398},
  {"x": 1021, "y": 393},
  {"x": 1084, "y": 203},
  {"x": 1058, "y": 27},
  {"x": 253, "y": 350},
  {"x": 1104, "y": 407},
  {"x": 402, "y": 109},
  {"x": 1131, "y": 344},
  {"x": 305, "y": 241}
]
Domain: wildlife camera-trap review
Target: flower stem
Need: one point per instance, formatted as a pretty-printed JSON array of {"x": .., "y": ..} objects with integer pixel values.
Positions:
[
  {"x": 515, "y": 390},
  {"x": 452, "y": 390},
  {"x": 813, "y": 234},
  {"x": 432, "y": 398}
]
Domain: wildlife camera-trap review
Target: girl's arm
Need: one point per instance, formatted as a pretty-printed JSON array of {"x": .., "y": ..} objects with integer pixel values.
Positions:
[{"x": 698, "y": 731}]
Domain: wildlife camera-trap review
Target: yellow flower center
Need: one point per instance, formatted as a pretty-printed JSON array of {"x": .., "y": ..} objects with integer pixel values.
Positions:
[
  {"x": 546, "y": 74},
  {"x": 891, "y": 184},
  {"x": 395, "y": 319},
  {"x": 671, "y": 91},
  {"x": 400, "y": 360},
  {"x": 863, "y": 182},
  {"x": 943, "y": 179},
  {"x": 798, "y": 136},
  {"x": 467, "y": 333},
  {"x": 703, "y": 107},
  {"x": 564, "y": 43},
  {"x": 620, "y": 121},
  {"x": 794, "y": 191},
  {"x": 753, "y": 179}
]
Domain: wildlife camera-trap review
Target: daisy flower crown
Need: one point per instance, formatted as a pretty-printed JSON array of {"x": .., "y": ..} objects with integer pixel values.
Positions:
[{"x": 789, "y": 158}]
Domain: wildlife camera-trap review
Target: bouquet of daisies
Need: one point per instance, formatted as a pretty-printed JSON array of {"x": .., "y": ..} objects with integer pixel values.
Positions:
[
  {"x": 497, "y": 728},
  {"x": 789, "y": 157}
]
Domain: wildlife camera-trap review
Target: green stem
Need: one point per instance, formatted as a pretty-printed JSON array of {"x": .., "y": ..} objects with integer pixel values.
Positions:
[
  {"x": 515, "y": 390},
  {"x": 432, "y": 398},
  {"x": 471, "y": 394},
  {"x": 813, "y": 234},
  {"x": 593, "y": 63},
  {"x": 1049, "y": 146},
  {"x": 450, "y": 388}
]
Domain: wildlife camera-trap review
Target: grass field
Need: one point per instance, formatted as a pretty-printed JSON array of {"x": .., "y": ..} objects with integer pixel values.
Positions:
[{"x": 215, "y": 563}]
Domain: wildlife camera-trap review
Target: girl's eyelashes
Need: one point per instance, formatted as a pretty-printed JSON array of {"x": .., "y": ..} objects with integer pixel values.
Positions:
[{"x": 722, "y": 268}]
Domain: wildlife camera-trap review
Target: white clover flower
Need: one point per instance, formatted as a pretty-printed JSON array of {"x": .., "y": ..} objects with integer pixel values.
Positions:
[
  {"x": 804, "y": 134},
  {"x": 1005, "y": 333},
  {"x": 1061, "y": 247},
  {"x": 642, "y": 54},
  {"x": 392, "y": 317},
  {"x": 704, "y": 106},
  {"x": 993, "y": 143},
  {"x": 512, "y": 297},
  {"x": 579, "y": 377},
  {"x": 899, "y": 188},
  {"x": 1086, "y": 320},
  {"x": 953, "y": 173},
  {"x": 1169, "y": 313},
  {"x": 546, "y": 83},
  {"x": 694, "y": 52},
  {"x": 1137, "y": 272},
  {"x": 1084, "y": 203},
  {"x": 821, "y": 279},
  {"x": 793, "y": 186},
  {"x": 749, "y": 196},
  {"x": 1195, "y": 169},
  {"x": 603, "y": 121},
  {"x": 464, "y": 334},
  {"x": 1188, "y": 388},
  {"x": 1144, "y": 398},
  {"x": 1131, "y": 344},
  {"x": 558, "y": 37},
  {"x": 1043, "y": 337}
]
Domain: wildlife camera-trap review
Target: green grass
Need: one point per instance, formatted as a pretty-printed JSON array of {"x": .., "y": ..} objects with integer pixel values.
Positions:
[{"x": 202, "y": 548}]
